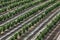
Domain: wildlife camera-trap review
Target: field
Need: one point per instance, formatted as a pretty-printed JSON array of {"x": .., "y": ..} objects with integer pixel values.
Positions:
[{"x": 29, "y": 19}]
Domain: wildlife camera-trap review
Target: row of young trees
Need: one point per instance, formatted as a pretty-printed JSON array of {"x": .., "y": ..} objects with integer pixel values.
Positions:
[
  {"x": 14, "y": 5},
  {"x": 4, "y": 0},
  {"x": 48, "y": 27},
  {"x": 2, "y": 4},
  {"x": 22, "y": 17},
  {"x": 10, "y": 14}
]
